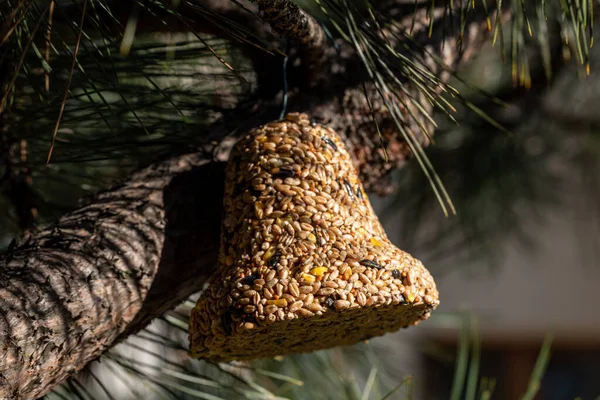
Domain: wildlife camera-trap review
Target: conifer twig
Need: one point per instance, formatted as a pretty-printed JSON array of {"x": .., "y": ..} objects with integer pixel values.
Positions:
[{"x": 289, "y": 21}]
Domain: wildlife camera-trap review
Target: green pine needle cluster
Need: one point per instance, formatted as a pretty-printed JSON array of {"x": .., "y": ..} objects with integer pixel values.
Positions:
[
  {"x": 65, "y": 72},
  {"x": 154, "y": 364},
  {"x": 393, "y": 70}
]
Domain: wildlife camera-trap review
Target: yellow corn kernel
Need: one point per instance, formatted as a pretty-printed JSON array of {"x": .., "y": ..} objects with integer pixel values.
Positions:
[
  {"x": 319, "y": 271},
  {"x": 308, "y": 277},
  {"x": 312, "y": 238},
  {"x": 375, "y": 242},
  {"x": 269, "y": 253},
  {"x": 278, "y": 302}
]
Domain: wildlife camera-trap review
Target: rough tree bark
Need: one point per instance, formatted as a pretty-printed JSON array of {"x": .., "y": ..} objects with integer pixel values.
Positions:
[
  {"x": 71, "y": 290},
  {"x": 107, "y": 269}
]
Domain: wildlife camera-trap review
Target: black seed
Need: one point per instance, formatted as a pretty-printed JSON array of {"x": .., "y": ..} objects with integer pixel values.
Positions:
[
  {"x": 329, "y": 302},
  {"x": 359, "y": 192},
  {"x": 319, "y": 241},
  {"x": 370, "y": 264},
  {"x": 330, "y": 143},
  {"x": 234, "y": 311},
  {"x": 284, "y": 173},
  {"x": 227, "y": 322},
  {"x": 249, "y": 280},
  {"x": 402, "y": 301},
  {"x": 396, "y": 274},
  {"x": 275, "y": 259},
  {"x": 349, "y": 189}
]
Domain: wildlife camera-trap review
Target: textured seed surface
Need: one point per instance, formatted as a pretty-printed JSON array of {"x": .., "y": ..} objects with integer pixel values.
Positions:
[{"x": 304, "y": 262}]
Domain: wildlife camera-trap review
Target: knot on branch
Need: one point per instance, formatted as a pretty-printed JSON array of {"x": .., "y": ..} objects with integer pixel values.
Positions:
[{"x": 289, "y": 21}]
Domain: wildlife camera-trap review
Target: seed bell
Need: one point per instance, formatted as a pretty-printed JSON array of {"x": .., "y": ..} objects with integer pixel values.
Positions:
[{"x": 304, "y": 262}]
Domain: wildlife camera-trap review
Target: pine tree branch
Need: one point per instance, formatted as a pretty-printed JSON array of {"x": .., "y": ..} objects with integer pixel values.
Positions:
[
  {"x": 289, "y": 21},
  {"x": 71, "y": 290}
]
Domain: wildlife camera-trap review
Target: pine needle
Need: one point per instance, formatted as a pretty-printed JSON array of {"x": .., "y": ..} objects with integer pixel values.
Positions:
[
  {"x": 64, "y": 101},
  {"x": 539, "y": 369},
  {"x": 406, "y": 381},
  {"x": 9, "y": 87},
  {"x": 473, "y": 374},
  {"x": 460, "y": 369}
]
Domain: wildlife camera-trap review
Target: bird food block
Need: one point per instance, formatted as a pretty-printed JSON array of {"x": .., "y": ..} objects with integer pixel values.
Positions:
[{"x": 304, "y": 262}]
